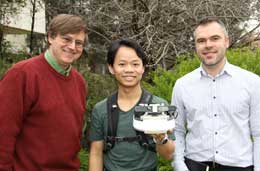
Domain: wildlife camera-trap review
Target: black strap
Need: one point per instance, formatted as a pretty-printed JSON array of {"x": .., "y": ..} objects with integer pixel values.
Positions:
[
  {"x": 146, "y": 99},
  {"x": 145, "y": 141},
  {"x": 129, "y": 139},
  {"x": 113, "y": 112}
]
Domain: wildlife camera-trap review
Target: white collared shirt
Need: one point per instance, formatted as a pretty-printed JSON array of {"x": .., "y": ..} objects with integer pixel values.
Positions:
[{"x": 221, "y": 115}]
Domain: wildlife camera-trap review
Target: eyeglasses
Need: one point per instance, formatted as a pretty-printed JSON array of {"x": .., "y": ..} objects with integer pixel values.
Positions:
[{"x": 69, "y": 40}]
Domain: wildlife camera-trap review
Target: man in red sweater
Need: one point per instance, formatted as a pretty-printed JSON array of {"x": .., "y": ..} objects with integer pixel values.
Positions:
[{"x": 43, "y": 102}]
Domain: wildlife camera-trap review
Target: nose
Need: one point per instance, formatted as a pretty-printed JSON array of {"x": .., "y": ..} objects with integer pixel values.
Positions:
[
  {"x": 72, "y": 45},
  {"x": 129, "y": 68},
  {"x": 208, "y": 44}
]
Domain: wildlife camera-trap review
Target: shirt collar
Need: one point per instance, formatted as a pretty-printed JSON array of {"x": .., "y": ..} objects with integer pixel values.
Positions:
[
  {"x": 55, "y": 65},
  {"x": 226, "y": 70}
]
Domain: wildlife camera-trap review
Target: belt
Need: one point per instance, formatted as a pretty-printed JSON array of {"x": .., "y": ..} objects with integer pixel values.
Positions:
[
  {"x": 212, "y": 166},
  {"x": 215, "y": 165}
]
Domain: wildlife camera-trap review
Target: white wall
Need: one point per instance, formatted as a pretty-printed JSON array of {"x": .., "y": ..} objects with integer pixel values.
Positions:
[
  {"x": 20, "y": 23},
  {"x": 23, "y": 18},
  {"x": 17, "y": 42}
]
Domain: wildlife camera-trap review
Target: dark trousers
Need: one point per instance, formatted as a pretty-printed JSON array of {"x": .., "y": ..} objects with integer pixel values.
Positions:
[{"x": 210, "y": 166}]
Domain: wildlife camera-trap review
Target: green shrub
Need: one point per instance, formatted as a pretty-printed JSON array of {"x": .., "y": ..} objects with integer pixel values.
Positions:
[
  {"x": 164, "y": 165},
  {"x": 9, "y": 59},
  {"x": 83, "y": 155},
  {"x": 99, "y": 87},
  {"x": 245, "y": 58}
]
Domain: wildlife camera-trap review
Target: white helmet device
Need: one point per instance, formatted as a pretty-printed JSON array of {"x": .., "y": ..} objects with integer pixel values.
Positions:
[{"x": 154, "y": 118}]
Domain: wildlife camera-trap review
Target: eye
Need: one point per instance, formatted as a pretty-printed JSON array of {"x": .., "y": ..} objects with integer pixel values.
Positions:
[
  {"x": 121, "y": 64},
  {"x": 215, "y": 38},
  {"x": 66, "y": 39},
  {"x": 200, "y": 40},
  {"x": 136, "y": 64},
  {"x": 79, "y": 44}
]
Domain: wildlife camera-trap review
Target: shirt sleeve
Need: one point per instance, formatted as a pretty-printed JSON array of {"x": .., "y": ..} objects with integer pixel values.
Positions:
[
  {"x": 12, "y": 108},
  {"x": 255, "y": 124},
  {"x": 180, "y": 130},
  {"x": 96, "y": 125}
]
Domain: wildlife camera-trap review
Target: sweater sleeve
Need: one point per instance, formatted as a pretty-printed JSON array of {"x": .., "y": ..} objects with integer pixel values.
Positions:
[{"x": 12, "y": 86}]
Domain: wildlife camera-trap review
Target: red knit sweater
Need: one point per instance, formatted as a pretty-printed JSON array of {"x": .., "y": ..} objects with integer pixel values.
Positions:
[{"x": 41, "y": 114}]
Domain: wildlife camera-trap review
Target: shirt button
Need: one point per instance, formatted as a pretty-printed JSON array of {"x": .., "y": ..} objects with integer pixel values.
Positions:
[
  {"x": 214, "y": 80},
  {"x": 214, "y": 97},
  {"x": 215, "y": 115},
  {"x": 216, "y": 133},
  {"x": 216, "y": 152}
]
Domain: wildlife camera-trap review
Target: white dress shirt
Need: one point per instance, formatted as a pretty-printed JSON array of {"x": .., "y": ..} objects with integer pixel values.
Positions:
[{"x": 218, "y": 117}]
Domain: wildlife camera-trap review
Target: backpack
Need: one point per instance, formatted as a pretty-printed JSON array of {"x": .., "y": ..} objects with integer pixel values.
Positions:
[{"x": 113, "y": 114}]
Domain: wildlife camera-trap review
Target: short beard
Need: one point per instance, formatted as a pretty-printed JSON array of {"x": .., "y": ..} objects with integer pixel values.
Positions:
[{"x": 213, "y": 64}]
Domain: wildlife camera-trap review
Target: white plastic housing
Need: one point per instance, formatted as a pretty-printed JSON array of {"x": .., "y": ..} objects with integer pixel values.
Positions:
[{"x": 154, "y": 125}]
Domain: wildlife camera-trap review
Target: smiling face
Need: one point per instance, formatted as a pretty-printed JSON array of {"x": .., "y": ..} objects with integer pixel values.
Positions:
[
  {"x": 211, "y": 43},
  {"x": 67, "y": 48},
  {"x": 127, "y": 68}
]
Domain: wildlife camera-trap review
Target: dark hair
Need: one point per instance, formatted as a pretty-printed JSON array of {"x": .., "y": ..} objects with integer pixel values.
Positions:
[
  {"x": 66, "y": 23},
  {"x": 115, "y": 45},
  {"x": 208, "y": 20}
]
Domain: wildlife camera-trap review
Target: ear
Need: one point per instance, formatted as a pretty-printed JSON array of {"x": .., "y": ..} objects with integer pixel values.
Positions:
[
  {"x": 111, "y": 69},
  {"x": 50, "y": 39},
  {"x": 143, "y": 69},
  {"x": 227, "y": 42}
]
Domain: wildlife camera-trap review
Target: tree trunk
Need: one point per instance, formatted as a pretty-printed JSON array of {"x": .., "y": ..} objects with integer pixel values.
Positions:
[
  {"x": 32, "y": 26},
  {"x": 1, "y": 42}
]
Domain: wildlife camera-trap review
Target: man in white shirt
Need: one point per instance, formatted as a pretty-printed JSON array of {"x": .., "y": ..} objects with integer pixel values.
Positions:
[{"x": 218, "y": 126}]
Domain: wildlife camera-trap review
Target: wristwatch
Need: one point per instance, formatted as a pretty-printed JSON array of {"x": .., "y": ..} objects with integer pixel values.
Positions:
[{"x": 164, "y": 141}]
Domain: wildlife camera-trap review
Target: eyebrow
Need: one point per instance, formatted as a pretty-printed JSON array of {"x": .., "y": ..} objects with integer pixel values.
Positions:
[
  {"x": 215, "y": 35},
  {"x": 136, "y": 60},
  {"x": 68, "y": 36}
]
